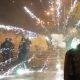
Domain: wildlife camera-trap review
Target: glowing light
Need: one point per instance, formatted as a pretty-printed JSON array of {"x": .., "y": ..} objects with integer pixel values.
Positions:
[
  {"x": 28, "y": 11},
  {"x": 47, "y": 38},
  {"x": 58, "y": 40},
  {"x": 78, "y": 23},
  {"x": 17, "y": 29},
  {"x": 59, "y": 72},
  {"x": 48, "y": 13},
  {"x": 31, "y": 14},
  {"x": 41, "y": 22},
  {"x": 75, "y": 42},
  {"x": 74, "y": 45},
  {"x": 3, "y": 77},
  {"x": 51, "y": 9},
  {"x": 59, "y": 4},
  {"x": 74, "y": 30},
  {"x": 20, "y": 72},
  {"x": 71, "y": 10},
  {"x": 51, "y": 6},
  {"x": 11, "y": 28},
  {"x": 59, "y": 75},
  {"x": 58, "y": 66},
  {"x": 19, "y": 69}
]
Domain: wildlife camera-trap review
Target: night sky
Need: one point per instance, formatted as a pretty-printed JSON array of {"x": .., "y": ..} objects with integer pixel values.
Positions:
[{"x": 12, "y": 13}]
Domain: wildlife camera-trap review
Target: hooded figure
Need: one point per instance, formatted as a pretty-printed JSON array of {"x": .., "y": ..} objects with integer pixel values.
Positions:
[
  {"x": 23, "y": 49},
  {"x": 72, "y": 64},
  {"x": 6, "y": 47}
]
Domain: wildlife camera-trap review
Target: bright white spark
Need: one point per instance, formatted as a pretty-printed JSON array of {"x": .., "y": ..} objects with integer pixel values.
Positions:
[
  {"x": 15, "y": 68},
  {"x": 59, "y": 72},
  {"x": 59, "y": 4},
  {"x": 17, "y": 29},
  {"x": 28, "y": 11},
  {"x": 11, "y": 28},
  {"x": 51, "y": 5},
  {"x": 78, "y": 23},
  {"x": 71, "y": 10},
  {"x": 75, "y": 42},
  {"x": 58, "y": 65},
  {"x": 38, "y": 20},
  {"x": 58, "y": 40},
  {"x": 31, "y": 14}
]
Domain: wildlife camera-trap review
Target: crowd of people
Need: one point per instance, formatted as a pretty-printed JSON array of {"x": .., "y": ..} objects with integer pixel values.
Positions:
[
  {"x": 71, "y": 62},
  {"x": 7, "y": 48}
]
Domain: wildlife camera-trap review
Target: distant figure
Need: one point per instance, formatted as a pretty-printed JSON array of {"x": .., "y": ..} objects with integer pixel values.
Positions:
[
  {"x": 72, "y": 64},
  {"x": 23, "y": 49},
  {"x": 11, "y": 48},
  {"x": 6, "y": 47}
]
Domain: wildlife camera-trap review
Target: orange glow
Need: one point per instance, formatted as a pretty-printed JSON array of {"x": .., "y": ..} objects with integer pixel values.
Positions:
[
  {"x": 48, "y": 13},
  {"x": 40, "y": 43}
]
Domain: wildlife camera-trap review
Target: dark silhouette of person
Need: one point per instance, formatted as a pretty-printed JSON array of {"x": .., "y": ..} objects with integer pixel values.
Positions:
[
  {"x": 23, "y": 49},
  {"x": 72, "y": 64},
  {"x": 6, "y": 49},
  {"x": 11, "y": 48},
  {"x": 28, "y": 42}
]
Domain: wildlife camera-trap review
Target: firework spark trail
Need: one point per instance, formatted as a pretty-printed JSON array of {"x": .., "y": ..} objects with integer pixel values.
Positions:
[
  {"x": 78, "y": 24},
  {"x": 11, "y": 28},
  {"x": 38, "y": 20},
  {"x": 51, "y": 5},
  {"x": 59, "y": 4},
  {"x": 31, "y": 14},
  {"x": 71, "y": 10},
  {"x": 13, "y": 69},
  {"x": 17, "y": 29},
  {"x": 58, "y": 10},
  {"x": 55, "y": 8}
]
